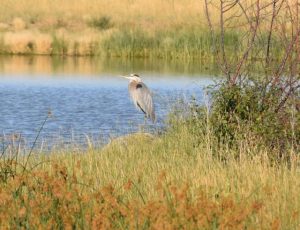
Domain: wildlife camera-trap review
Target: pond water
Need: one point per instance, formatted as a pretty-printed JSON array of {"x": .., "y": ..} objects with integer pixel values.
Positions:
[{"x": 87, "y": 98}]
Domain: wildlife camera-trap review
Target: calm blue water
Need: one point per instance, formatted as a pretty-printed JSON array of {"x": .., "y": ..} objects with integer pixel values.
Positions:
[{"x": 93, "y": 105}]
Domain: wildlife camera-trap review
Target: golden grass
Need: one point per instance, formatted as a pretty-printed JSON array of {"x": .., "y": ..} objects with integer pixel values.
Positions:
[
  {"x": 150, "y": 14},
  {"x": 27, "y": 41}
]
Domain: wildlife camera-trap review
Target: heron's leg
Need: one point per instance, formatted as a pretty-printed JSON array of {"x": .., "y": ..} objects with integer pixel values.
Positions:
[{"x": 143, "y": 126}]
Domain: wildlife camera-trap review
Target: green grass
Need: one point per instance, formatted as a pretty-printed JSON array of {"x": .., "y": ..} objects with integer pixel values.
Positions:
[
  {"x": 59, "y": 46},
  {"x": 180, "y": 44}
]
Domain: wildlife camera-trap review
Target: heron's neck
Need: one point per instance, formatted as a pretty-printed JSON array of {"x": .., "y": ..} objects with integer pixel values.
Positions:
[{"x": 135, "y": 81}]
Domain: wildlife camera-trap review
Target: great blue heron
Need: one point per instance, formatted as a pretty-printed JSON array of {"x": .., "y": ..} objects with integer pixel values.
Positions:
[{"x": 141, "y": 96}]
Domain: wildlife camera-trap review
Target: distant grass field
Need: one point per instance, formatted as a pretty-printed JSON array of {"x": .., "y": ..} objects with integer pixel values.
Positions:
[
  {"x": 152, "y": 182},
  {"x": 130, "y": 28},
  {"x": 68, "y": 28},
  {"x": 152, "y": 15}
]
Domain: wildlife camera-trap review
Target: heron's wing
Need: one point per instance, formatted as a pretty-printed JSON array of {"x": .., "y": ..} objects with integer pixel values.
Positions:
[{"x": 142, "y": 98}]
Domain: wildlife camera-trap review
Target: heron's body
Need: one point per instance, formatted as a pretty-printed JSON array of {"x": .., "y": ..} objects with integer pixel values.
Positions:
[{"x": 141, "y": 96}]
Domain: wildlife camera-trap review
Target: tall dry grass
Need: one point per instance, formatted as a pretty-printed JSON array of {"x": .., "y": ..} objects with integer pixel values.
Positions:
[
  {"x": 170, "y": 181},
  {"x": 151, "y": 15}
]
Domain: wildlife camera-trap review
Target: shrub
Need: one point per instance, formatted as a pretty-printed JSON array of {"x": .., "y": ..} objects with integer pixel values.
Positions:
[
  {"x": 101, "y": 23},
  {"x": 249, "y": 112}
]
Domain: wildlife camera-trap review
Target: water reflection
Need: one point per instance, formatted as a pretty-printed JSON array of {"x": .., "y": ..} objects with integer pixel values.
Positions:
[
  {"x": 86, "y": 97},
  {"x": 93, "y": 65}
]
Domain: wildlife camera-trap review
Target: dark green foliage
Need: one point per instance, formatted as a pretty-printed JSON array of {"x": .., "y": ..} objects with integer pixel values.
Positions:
[
  {"x": 249, "y": 112},
  {"x": 101, "y": 23},
  {"x": 59, "y": 46}
]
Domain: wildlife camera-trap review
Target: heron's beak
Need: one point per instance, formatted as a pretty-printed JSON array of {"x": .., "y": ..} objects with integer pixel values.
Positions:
[{"x": 123, "y": 76}]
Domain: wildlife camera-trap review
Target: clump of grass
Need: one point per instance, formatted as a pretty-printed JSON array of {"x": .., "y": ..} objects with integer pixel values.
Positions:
[
  {"x": 59, "y": 46},
  {"x": 101, "y": 23},
  {"x": 18, "y": 24}
]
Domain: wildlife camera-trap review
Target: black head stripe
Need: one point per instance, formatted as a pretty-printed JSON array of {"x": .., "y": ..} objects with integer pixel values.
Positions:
[{"x": 136, "y": 75}]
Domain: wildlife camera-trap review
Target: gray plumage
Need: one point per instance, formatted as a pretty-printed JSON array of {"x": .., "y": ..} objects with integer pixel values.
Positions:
[{"x": 141, "y": 96}]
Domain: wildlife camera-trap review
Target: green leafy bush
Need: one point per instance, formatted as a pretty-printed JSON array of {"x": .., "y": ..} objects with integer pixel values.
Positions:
[{"x": 249, "y": 112}]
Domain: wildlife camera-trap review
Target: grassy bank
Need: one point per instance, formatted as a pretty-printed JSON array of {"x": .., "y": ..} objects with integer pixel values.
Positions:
[
  {"x": 159, "y": 29},
  {"x": 140, "y": 181},
  {"x": 184, "y": 44}
]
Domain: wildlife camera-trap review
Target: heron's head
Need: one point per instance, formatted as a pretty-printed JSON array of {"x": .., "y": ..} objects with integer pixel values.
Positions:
[{"x": 134, "y": 77}]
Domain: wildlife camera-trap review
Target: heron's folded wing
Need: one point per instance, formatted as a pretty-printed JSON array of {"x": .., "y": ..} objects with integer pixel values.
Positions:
[{"x": 142, "y": 97}]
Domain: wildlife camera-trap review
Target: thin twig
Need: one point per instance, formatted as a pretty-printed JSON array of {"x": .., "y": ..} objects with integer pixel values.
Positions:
[{"x": 35, "y": 141}]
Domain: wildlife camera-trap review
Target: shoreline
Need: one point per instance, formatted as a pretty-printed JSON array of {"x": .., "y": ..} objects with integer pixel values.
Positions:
[{"x": 186, "y": 44}]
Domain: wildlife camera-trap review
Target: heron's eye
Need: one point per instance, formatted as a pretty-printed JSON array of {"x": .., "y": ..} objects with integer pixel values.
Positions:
[{"x": 139, "y": 86}]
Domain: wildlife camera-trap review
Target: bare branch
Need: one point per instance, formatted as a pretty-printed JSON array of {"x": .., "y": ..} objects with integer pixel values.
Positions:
[
  {"x": 288, "y": 52},
  {"x": 224, "y": 59},
  {"x": 270, "y": 32},
  {"x": 230, "y": 6},
  {"x": 250, "y": 45}
]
